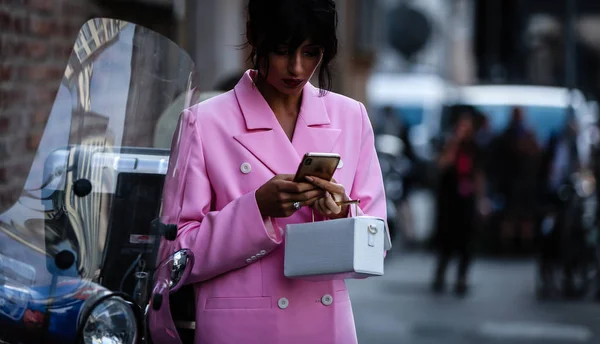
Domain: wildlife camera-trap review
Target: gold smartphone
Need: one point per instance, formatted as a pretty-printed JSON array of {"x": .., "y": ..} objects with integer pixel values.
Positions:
[{"x": 320, "y": 165}]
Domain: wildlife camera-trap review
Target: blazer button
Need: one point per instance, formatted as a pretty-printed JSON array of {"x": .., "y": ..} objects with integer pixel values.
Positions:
[
  {"x": 283, "y": 303},
  {"x": 245, "y": 168},
  {"x": 327, "y": 300},
  {"x": 248, "y": 260},
  {"x": 253, "y": 258},
  {"x": 263, "y": 252}
]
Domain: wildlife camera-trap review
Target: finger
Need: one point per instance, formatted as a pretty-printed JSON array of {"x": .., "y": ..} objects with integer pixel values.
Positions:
[
  {"x": 317, "y": 207},
  {"x": 327, "y": 185},
  {"x": 331, "y": 205},
  {"x": 312, "y": 200},
  {"x": 304, "y": 187},
  {"x": 322, "y": 208},
  {"x": 289, "y": 205},
  {"x": 291, "y": 197},
  {"x": 288, "y": 177},
  {"x": 292, "y": 187},
  {"x": 316, "y": 193}
]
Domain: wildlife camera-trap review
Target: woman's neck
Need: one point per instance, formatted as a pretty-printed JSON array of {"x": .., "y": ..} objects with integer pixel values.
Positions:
[{"x": 283, "y": 105}]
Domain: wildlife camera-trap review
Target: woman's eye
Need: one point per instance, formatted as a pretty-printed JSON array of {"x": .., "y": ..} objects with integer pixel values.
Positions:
[
  {"x": 312, "y": 52},
  {"x": 281, "y": 52}
]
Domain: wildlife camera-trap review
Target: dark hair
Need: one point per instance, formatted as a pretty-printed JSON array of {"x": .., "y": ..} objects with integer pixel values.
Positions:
[{"x": 272, "y": 23}]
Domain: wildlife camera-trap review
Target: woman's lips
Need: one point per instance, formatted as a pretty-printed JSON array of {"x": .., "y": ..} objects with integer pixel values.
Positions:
[{"x": 292, "y": 82}]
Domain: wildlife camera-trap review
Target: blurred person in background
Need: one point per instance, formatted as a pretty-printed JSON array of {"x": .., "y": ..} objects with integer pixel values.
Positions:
[
  {"x": 562, "y": 160},
  {"x": 460, "y": 192},
  {"x": 518, "y": 158}
]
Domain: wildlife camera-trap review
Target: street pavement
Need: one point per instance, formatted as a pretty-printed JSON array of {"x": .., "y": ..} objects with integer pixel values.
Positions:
[{"x": 500, "y": 308}]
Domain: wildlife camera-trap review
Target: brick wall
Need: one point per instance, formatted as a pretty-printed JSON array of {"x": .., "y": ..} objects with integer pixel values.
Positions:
[{"x": 36, "y": 39}]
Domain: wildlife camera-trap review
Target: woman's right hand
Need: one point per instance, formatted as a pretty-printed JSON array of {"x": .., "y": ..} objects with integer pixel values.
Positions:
[{"x": 276, "y": 197}]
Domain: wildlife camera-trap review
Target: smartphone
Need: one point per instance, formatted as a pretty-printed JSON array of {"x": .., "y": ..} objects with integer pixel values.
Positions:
[{"x": 320, "y": 165}]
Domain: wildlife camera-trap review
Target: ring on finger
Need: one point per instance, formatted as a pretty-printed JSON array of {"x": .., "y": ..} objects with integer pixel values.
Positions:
[{"x": 296, "y": 205}]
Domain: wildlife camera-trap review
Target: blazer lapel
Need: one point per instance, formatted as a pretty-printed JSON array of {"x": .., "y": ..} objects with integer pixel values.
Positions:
[
  {"x": 265, "y": 138},
  {"x": 312, "y": 133}
]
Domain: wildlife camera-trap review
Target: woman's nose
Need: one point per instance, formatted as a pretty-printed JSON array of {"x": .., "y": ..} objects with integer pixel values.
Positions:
[{"x": 295, "y": 64}]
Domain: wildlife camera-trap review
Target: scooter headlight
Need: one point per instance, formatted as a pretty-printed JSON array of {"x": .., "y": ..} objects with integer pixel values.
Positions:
[{"x": 111, "y": 321}]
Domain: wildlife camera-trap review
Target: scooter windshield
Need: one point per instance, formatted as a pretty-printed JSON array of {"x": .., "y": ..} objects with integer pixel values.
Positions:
[{"x": 85, "y": 215}]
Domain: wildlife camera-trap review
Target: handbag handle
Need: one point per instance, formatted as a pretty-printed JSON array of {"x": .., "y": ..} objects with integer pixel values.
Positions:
[{"x": 356, "y": 202}]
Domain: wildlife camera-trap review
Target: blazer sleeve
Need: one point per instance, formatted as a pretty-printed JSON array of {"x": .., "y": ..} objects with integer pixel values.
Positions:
[
  {"x": 224, "y": 240},
  {"x": 368, "y": 181}
]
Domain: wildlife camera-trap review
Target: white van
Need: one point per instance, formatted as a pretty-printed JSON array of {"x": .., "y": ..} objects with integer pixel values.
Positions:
[{"x": 545, "y": 109}]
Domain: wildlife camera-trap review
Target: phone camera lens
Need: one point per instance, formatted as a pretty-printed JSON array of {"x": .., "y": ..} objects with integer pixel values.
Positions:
[{"x": 308, "y": 162}]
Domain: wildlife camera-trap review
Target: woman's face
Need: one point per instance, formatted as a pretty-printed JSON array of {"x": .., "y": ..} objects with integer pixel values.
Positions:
[
  {"x": 290, "y": 71},
  {"x": 464, "y": 128}
]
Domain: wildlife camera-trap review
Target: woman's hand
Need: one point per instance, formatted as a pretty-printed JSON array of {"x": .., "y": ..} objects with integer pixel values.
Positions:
[
  {"x": 277, "y": 197},
  {"x": 448, "y": 154},
  {"x": 327, "y": 205}
]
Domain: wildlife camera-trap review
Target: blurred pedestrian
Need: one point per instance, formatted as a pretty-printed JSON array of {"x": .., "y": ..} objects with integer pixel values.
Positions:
[
  {"x": 561, "y": 233},
  {"x": 460, "y": 193},
  {"x": 519, "y": 162}
]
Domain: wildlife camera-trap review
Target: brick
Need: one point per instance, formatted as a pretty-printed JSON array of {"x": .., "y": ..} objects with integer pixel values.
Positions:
[
  {"x": 42, "y": 5},
  {"x": 44, "y": 72},
  {"x": 6, "y": 72},
  {"x": 10, "y": 46},
  {"x": 63, "y": 51},
  {"x": 13, "y": 23},
  {"x": 70, "y": 29},
  {"x": 11, "y": 173},
  {"x": 5, "y": 20},
  {"x": 10, "y": 196},
  {"x": 72, "y": 7},
  {"x": 14, "y": 124},
  {"x": 12, "y": 97},
  {"x": 5, "y": 151},
  {"x": 13, "y": 3},
  {"x": 44, "y": 96},
  {"x": 33, "y": 140},
  {"x": 4, "y": 125},
  {"x": 37, "y": 49},
  {"x": 43, "y": 27},
  {"x": 40, "y": 117},
  {"x": 12, "y": 146}
]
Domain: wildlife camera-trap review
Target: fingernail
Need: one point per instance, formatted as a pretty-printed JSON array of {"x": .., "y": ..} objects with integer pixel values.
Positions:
[{"x": 310, "y": 179}]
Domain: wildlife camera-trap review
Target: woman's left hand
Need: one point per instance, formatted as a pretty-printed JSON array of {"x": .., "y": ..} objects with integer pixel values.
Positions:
[{"x": 334, "y": 192}]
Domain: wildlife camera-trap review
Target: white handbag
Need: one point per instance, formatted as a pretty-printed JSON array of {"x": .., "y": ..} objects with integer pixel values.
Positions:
[{"x": 336, "y": 249}]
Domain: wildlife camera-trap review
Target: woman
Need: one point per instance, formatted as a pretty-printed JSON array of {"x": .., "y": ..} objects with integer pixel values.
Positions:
[
  {"x": 236, "y": 157},
  {"x": 461, "y": 192}
]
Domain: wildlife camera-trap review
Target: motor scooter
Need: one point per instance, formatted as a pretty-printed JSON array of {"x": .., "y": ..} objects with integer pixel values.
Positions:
[{"x": 87, "y": 253}]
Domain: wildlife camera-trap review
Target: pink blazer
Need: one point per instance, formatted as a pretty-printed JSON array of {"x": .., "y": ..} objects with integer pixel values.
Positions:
[{"x": 229, "y": 146}]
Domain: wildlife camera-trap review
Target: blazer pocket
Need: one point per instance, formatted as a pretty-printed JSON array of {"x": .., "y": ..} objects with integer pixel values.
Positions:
[{"x": 238, "y": 303}]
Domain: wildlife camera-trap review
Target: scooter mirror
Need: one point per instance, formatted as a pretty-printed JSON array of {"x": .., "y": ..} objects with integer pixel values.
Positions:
[{"x": 183, "y": 261}]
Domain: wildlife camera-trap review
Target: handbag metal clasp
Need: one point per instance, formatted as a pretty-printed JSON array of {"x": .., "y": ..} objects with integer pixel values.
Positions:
[{"x": 372, "y": 232}]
